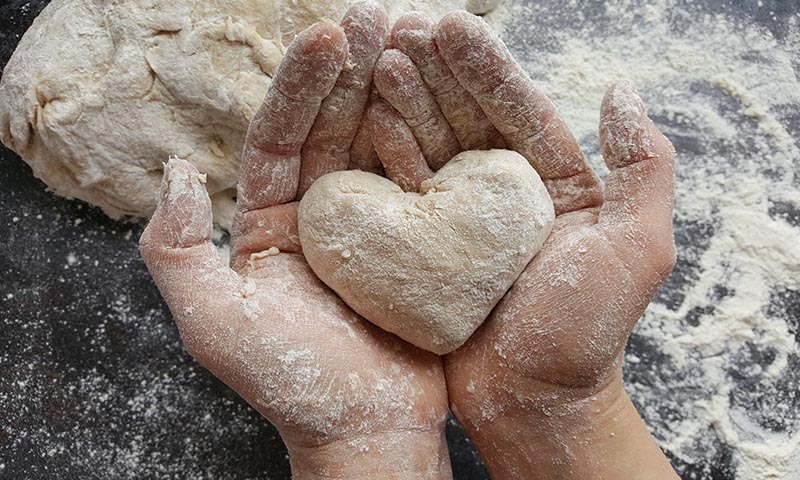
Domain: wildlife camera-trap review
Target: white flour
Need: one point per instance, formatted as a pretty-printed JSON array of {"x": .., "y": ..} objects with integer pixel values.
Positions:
[
  {"x": 725, "y": 335},
  {"x": 713, "y": 366}
]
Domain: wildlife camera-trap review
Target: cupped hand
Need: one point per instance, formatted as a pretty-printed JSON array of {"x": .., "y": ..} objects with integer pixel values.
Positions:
[
  {"x": 539, "y": 386},
  {"x": 347, "y": 398}
]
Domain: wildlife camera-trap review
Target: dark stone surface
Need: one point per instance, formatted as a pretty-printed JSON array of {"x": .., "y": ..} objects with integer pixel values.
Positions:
[{"x": 94, "y": 382}]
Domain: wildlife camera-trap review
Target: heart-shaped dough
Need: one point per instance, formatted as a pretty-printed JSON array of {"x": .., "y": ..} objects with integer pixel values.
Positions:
[{"x": 427, "y": 266}]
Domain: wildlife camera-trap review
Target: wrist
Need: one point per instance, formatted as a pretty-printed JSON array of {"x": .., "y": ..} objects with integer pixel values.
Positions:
[
  {"x": 599, "y": 436},
  {"x": 388, "y": 455}
]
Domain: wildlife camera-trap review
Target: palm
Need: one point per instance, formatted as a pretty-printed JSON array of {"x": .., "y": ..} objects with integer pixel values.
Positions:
[
  {"x": 560, "y": 330},
  {"x": 266, "y": 325},
  {"x": 312, "y": 366}
]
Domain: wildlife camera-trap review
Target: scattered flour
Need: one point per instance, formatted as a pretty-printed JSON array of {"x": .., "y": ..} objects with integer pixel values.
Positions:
[{"x": 712, "y": 364}]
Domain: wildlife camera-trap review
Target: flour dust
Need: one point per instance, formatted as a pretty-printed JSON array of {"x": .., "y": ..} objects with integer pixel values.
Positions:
[{"x": 713, "y": 365}]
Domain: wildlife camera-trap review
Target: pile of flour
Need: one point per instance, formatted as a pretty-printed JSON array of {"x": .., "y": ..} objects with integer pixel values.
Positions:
[{"x": 713, "y": 365}]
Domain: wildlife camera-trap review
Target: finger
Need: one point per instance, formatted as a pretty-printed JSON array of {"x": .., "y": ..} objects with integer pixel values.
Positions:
[
  {"x": 523, "y": 115},
  {"x": 261, "y": 233},
  {"x": 413, "y": 34},
  {"x": 363, "y": 155},
  {"x": 398, "y": 150},
  {"x": 271, "y": 160},
  {"x": 328, "y": 145},
  {"x": 640, "y": 185},
  {"x": 176, "y": 245},
  {"x": 399, "y": 82}
]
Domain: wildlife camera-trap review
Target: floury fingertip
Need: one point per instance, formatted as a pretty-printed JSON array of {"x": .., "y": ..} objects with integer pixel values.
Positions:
[
  {"x": 180, "y": 177},
  {"x": 183, "y": 215},
  {"x": 625, "y": 129}
]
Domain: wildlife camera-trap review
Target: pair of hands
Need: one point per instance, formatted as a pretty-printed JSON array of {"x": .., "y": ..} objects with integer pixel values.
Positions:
[{"x": 351, "y": 400}]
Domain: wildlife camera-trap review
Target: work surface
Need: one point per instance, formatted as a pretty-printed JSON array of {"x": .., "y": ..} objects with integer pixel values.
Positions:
[{"x": 94, "y": 382}]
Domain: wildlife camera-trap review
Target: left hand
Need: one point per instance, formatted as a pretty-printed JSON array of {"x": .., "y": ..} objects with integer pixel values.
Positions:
[{"x": 349, "y": 400}]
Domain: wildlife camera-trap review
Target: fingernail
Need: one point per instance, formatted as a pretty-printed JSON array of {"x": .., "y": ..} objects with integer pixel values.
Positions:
[
  {"x": 183, "y": 215},
  {"x": 414, "y": 31},
  {"x": 181, "y": 178},
  {"x": 625, "y": 135}
]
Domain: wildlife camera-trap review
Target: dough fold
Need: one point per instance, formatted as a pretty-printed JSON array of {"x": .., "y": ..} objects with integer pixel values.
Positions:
[{"x": 99, "y": 93}]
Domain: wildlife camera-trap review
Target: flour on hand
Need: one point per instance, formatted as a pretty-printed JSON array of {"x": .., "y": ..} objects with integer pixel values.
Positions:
[{"x": 713, "y": 365}]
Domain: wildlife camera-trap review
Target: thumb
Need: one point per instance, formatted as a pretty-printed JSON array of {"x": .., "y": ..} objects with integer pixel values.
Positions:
[
  {"x": 637, "y": 211},
  {"x": 176, "y": 245},
  {"x": 183, "y": 216}
]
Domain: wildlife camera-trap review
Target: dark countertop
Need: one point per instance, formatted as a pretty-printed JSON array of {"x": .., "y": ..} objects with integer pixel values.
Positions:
[{"x": 94, "y": 382}]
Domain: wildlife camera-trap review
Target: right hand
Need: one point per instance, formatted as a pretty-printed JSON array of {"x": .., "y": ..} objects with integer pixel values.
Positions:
[{"x": 539, "y": 384}]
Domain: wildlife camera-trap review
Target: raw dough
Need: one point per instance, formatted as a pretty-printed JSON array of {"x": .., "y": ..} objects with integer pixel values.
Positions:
[
  {"x": 98, "y": 94},
  {"x": 428, "y": 267}
]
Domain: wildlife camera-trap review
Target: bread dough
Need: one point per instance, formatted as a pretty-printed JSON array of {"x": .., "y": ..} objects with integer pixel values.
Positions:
[
  {"x": 427, "y": 266},
  {"x": 98, "y": 94}
]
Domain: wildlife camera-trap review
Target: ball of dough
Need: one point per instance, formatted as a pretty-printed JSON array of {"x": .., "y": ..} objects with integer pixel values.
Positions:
[
  {"x": 98, "y": 95},
  {"x": 427, "y": 266}
]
